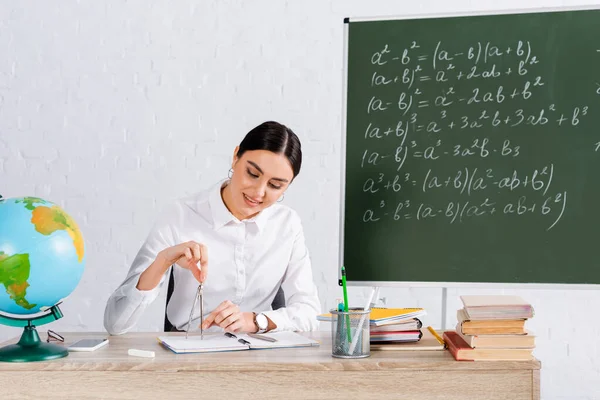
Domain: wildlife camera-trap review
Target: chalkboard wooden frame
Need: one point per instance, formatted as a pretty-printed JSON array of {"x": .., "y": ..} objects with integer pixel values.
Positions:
[{"x": 524, "y": 285}]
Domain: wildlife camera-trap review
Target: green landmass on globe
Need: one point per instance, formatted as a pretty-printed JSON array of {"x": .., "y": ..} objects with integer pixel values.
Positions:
[
  {"x": 47, "y": 218},
  {"x": 14, "y": 272}
]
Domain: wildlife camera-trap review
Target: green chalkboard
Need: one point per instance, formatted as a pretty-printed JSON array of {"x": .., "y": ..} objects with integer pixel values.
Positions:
[{"x": 472, "y": 149}]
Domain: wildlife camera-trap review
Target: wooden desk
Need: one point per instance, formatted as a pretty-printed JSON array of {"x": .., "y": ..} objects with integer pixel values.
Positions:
[{"x": 306, "y": 373}]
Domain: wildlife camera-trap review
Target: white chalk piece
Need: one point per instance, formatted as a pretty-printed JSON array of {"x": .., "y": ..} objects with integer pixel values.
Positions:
[{"x": 140, "y": 353}]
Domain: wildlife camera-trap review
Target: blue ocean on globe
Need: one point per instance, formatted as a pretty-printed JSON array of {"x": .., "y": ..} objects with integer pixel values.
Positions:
[{"x": 42, "y": 255}]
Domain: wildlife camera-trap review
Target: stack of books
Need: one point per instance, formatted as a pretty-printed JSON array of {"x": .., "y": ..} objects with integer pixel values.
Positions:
[
  {"x": 391, "y": 325},
  {"x": 492, "y": 328},
  {"x": 395, "y": 325}
]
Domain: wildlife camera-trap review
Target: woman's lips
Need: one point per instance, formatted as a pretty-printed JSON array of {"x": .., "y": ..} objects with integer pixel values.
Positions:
[{"x": 251, "y": 202}]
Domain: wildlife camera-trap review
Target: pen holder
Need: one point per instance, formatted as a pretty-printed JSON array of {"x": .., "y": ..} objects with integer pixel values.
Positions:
[{"x": 350, "y": 334}]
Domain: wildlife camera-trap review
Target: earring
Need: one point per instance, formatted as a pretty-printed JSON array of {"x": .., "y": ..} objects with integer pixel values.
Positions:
[
  {"x": 230, "y": 174},
  {"x": 281, "y": 198}
]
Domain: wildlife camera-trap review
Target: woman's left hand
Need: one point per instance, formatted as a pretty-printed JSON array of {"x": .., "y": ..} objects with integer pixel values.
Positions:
[{"x": 228, "y": 316}]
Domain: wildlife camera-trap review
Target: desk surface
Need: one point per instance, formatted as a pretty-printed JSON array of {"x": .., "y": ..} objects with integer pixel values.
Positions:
[
  {"x": 302, "y": 373},
  {"x": 114, "y": 357}
]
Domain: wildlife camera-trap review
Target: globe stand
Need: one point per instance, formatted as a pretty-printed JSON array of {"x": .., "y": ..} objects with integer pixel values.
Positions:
[{"x": 30, "y": 347}]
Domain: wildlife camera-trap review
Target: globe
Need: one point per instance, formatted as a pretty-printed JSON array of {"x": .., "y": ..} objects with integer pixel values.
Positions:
[
  {"x": 42, "y": 258},
  {"x": 42, "y": 255}
]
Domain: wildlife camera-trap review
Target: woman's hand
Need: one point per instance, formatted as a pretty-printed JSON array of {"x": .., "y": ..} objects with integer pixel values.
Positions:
[
  {"x": 187, "y": 255},
  {"x": 228, "y": 316}
]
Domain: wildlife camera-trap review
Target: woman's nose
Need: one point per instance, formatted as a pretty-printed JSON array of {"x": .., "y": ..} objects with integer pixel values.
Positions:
[{"x": 261, "y": 190}]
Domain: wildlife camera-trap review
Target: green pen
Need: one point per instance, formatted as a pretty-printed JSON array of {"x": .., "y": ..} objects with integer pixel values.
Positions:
[{"x": 346, "y": 304}]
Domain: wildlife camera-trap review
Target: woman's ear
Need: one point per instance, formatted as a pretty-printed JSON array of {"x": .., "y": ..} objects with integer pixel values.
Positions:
[{"x": 235, "y": 157}]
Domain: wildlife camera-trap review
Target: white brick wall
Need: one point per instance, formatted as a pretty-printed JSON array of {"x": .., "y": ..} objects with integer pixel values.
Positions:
[{"x": 112, "y": 108}]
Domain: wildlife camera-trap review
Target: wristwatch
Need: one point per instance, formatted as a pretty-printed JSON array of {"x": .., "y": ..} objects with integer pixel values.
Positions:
[{"x": 261, "y": 322}]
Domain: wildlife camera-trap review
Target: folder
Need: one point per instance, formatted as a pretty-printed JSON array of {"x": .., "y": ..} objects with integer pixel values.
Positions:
[
  {"x": 428, "y": 342},
  {"x": 384, "y": 316},
  {"x": 397, "y": 336}
]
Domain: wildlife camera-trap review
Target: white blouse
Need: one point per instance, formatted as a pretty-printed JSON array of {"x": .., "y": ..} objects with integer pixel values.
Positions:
[{"x": 247, "y": 263}]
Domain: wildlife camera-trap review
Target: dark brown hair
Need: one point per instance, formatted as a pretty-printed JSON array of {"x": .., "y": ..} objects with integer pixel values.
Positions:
[{"x": 277, "y": 138}]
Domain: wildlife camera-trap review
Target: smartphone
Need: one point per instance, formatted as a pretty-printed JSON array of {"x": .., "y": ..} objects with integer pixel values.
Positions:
[{"x": 87, "y": 344}]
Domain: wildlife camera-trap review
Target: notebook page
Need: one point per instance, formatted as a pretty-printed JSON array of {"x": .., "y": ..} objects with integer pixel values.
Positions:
[{"x": 284, "y": 339}]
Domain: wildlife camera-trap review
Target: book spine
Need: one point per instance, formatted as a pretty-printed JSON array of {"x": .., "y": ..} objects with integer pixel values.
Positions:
[
  {"x": 469, "y": 339},
  {"x": 451, "y": 347}
]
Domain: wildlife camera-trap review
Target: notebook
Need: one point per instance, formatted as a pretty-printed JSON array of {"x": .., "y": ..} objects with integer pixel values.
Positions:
[
  {"x": 427, "y": 342},
  {"x": 397, "y": 336},
  {"x": 216, "y": 342},
  {"x": 412, "y": 324},
  {"x": 384, "y": 316}
]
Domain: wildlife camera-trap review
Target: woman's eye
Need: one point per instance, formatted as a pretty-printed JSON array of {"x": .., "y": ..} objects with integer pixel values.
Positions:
[
  {"x": 251, "y": 174},
  {"x": 275, "y": 186}
]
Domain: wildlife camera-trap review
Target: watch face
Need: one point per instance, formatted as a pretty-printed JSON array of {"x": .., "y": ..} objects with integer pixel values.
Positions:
[{"x": 261, "y": 321}]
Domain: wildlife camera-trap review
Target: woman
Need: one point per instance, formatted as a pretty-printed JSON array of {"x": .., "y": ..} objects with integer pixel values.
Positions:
[{"x": 237, "y": 241}]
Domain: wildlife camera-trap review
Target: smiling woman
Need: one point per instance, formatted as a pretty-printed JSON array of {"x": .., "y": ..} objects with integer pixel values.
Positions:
[
  {"x": 256, "y": 246},
  {"x": 264, "y": 165}
]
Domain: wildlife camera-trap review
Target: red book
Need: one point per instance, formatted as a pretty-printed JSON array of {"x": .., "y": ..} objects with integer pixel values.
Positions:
[{"x": 461, "y": 351}]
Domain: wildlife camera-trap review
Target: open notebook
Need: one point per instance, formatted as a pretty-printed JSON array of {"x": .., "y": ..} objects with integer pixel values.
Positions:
[{"x": 220, "y": 342}]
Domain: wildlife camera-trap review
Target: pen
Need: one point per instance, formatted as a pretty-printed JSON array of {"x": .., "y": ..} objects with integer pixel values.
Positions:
[
  {"x": 261, "y": 337},
  {"x": 437, "y": 337},
  {"x": 346, "y": 304},
  {"x": 242, "y": 341}
]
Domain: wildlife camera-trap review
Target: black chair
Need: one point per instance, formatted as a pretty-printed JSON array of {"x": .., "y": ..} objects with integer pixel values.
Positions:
[{"x": 278, "y": 301}]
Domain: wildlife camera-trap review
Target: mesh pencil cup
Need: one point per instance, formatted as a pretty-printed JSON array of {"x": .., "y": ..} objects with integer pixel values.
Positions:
[{"x": 350, "y": 334}]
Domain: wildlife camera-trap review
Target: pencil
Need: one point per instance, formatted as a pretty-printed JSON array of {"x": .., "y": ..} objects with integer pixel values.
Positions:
[
  {"x": 346, "y": 304},
  {"x": 435, "y": 334}
]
